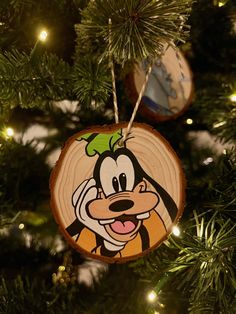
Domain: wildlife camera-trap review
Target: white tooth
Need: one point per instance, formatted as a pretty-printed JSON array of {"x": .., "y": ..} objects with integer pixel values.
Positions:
[
  {"x": 143, "y": 216},
  {"x": 107, "y": 221}
]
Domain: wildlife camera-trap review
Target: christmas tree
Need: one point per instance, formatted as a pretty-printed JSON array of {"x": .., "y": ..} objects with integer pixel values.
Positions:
[{"x": 59, "y": 64}]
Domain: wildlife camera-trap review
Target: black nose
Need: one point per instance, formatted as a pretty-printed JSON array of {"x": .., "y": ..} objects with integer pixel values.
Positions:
[{"x": 121, "y": 205}]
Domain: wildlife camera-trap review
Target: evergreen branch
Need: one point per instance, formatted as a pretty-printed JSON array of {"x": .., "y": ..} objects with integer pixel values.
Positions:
[
  {"x": 21, "y": 4},
  {"x": 28, "y": 85},
  {"x": 20, "y": 177},
  {"x": 218, "y": 188},
  {"x": 7, "y": 221},
  {"x": 222, "y": 193},
  {"x": 221, "y": 118},
  {"x": 91, "y": 81},
  {"x": 49, "y": 78},
  {"x": 205, "y": 264},
  {"x": 22, "y": 295},
  {"x": 139, "y": 28}
]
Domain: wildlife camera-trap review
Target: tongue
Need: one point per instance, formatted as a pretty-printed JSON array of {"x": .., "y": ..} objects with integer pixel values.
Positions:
[{"x": 122, "y": 227}]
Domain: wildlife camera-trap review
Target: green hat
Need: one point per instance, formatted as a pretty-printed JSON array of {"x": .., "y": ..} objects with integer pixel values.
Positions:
[{"x": 98, "y": 143}]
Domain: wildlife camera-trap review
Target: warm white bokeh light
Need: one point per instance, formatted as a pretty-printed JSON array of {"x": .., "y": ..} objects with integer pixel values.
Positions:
[
  {"x": 219, "y": 124},
  {"x": 207, "y": 161},
  {"x": 21, "y": 226},
  {"x": 43, "y": 35},
  {"x": 221, "y": 4},
  {"x": 176, "y": 231},
  {"x": 9, "y": 132},
  {"x": 61, "y": 268},
  {"x": 152, "y": 296},
  {"x": 233, "y": 97},
  {"x": 189, "y": 121}
]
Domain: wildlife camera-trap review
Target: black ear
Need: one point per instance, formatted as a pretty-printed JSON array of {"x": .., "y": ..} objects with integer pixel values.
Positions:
[{"x": 166, "y": 198}]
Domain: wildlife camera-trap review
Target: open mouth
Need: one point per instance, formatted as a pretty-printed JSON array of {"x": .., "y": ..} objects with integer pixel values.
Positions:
[{"x": 124, "y": 224}]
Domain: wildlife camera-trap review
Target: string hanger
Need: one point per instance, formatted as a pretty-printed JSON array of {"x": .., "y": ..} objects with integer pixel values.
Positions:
[
  {"x": 116, "y": 112},
  {"x": 149, "y": 70},
  {"x": 138, "y": 102},
  {"x": 111, "y": 64},
  {"x": 141, "y": 93}
]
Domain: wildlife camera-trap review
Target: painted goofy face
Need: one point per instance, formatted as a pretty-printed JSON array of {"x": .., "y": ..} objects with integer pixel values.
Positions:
[
  {"x": 123, "y": 200},
  {"x": 117, "y": 203}
]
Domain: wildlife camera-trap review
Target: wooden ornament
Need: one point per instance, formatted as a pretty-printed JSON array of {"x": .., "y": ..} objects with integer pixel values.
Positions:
[
  {"x": 116, "y": 200},
  {"x": 169, "y": 88}
]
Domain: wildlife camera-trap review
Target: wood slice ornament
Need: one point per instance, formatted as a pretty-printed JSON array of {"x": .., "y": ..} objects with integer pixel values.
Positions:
[
  {"x": 169, "y": 88},
  {"x": 116, "y": 200}
]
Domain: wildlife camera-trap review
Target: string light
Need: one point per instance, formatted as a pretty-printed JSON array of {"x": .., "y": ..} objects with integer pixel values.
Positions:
[
  {"x": 61, "y": 268},
  {"x": 21, "y": 226},
  {"x": 222, "y": 3},
  {"x": 152, "y": 296},
  {"x": 9, "y": 132},
  {"x": 233, "y": 97},
  {"x": 224, "y": 151},
  {"x": 43, "y": 35},
  {"x": 207, "y": 161},
  {"x": 219, "y": 124},
  {"x": 176, "y": 231},
  {"x": 189, "y": 121}
]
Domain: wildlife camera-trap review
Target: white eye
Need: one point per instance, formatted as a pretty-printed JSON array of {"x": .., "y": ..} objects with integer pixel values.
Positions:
[
  {"x": 125, "y": 173},
  {"x": 108, "y": 176},
  {"x": 117, "y": 175}
]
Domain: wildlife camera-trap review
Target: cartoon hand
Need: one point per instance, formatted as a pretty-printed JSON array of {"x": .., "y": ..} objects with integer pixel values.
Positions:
[{"x": 86, "y": 192}]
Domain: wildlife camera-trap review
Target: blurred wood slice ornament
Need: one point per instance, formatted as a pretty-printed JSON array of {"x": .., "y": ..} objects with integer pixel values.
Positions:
[
  {"x": 116, "y": 200},
  {"x": 169, "y": 88}
]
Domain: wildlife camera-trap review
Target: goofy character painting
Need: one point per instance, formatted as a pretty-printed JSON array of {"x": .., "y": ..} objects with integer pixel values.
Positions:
[{"x": 118, "y": 205}]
